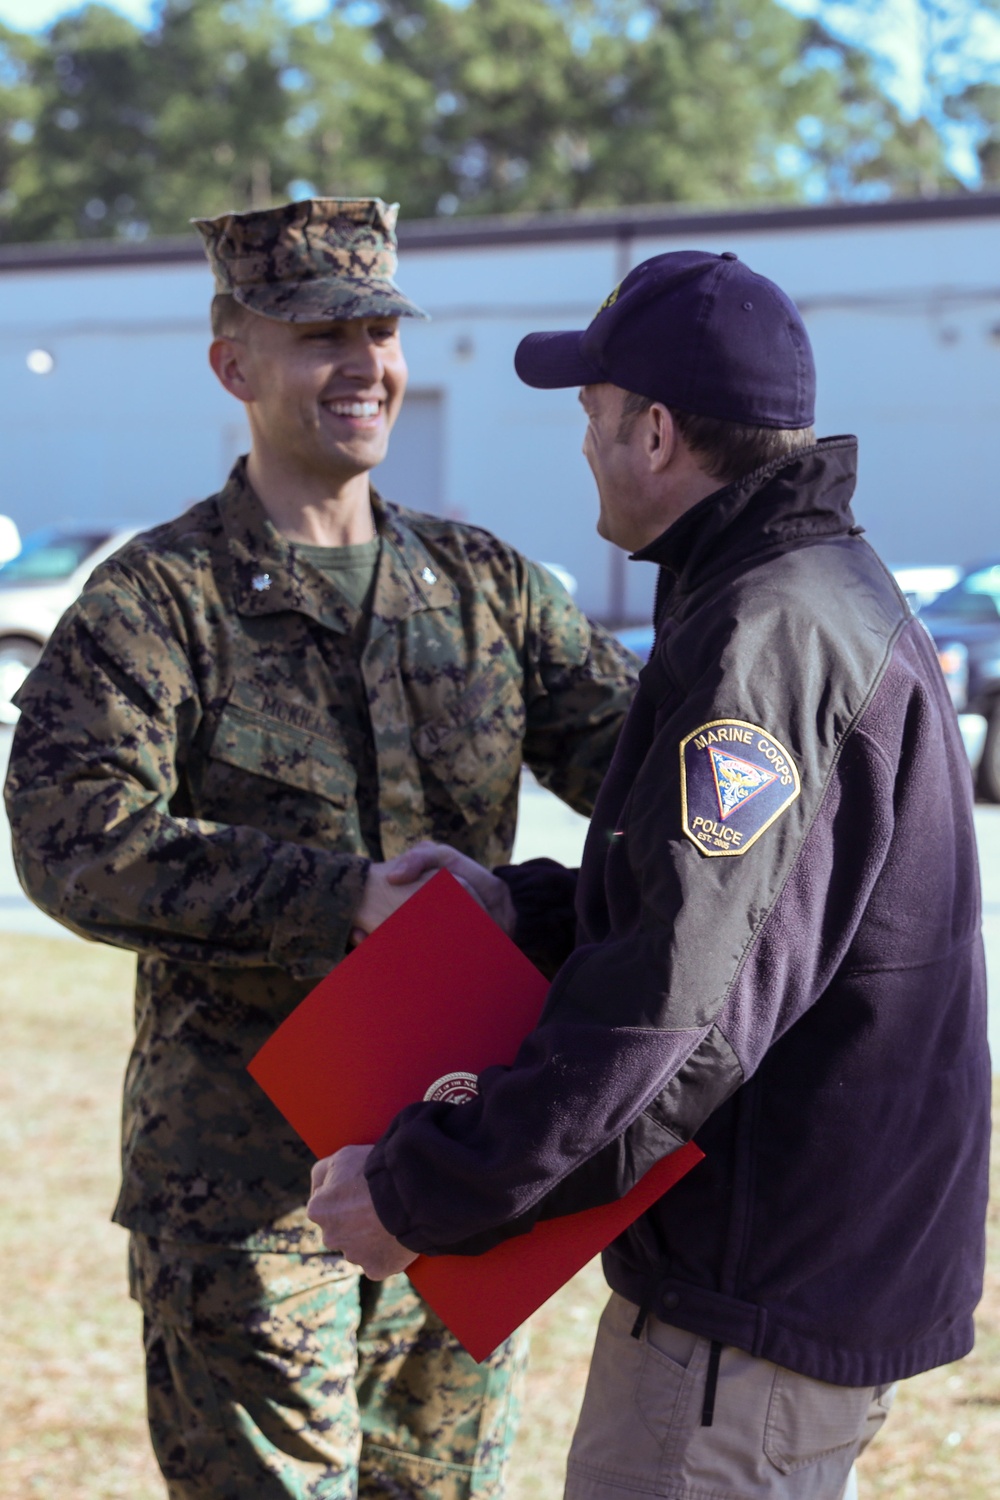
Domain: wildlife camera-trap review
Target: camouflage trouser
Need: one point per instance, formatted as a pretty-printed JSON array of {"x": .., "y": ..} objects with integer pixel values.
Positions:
[{"x": 276, "y": 1376}]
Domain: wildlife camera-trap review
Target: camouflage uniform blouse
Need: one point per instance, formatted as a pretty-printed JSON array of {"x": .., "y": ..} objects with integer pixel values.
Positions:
[{"x": 210, "y": 752}]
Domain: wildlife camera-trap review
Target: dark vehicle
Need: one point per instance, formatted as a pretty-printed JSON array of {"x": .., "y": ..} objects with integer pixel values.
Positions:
[{"x": 964, "y": 622}]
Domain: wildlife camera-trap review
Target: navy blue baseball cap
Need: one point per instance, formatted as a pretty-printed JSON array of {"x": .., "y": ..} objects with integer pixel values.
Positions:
[{"x": 697, "y": 331}]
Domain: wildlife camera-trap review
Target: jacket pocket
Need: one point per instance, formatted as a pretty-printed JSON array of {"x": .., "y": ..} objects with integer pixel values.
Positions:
[
  {"x": 473, "y": 750},
  {"x": 808, "y": 1419}
]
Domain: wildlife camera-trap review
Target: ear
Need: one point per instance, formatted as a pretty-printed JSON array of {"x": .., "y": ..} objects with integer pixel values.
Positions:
[
  {"x": 660, "y": 437},
  {"x": 228, "y": 358}
]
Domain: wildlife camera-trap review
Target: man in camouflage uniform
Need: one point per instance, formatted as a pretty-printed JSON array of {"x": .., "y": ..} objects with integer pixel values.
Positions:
[{"x": 247, "y": 714}]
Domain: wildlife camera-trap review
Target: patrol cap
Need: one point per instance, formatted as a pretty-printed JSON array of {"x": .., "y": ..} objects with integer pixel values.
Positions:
[
  {"x": 697, "y": 331},
  {"x": 309, "y": 261}
]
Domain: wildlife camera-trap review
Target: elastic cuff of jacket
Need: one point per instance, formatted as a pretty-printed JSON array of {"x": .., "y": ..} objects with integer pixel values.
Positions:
[
  {"x": 544, "y": 894},
  {"x": 389, "y": 1206},
  {"x": 539, "y": 878},
  {"x": 312, "y": 935}
]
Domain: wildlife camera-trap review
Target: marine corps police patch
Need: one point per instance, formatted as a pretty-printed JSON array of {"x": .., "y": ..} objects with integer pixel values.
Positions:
[{"x": 735, "y": 780}]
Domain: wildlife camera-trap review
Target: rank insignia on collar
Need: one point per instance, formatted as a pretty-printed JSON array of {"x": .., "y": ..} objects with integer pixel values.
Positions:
[{"x": 736, "y": 779}]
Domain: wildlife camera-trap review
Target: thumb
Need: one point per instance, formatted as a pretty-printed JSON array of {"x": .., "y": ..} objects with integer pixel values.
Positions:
[{"x": 406, "y": 868}]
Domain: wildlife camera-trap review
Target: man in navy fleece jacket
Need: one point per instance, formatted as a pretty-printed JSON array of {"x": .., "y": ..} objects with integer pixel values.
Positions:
[{"x": 778, "y": 947}]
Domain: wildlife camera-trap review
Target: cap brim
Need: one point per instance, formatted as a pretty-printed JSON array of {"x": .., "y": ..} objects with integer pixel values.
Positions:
[
  {"x": 323, "y": 299},
  {"x": 551, "y": 360}
]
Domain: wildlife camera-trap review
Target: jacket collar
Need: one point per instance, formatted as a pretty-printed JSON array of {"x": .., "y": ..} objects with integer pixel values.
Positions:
[
  {"x": 797, "y": 499},
  {"x": 269, "y": 577}
]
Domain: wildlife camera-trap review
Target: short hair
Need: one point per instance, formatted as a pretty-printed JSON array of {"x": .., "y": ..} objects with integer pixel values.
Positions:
[
  {"x": 229, "y": 317},
  {"x": 728, "y": 450}
]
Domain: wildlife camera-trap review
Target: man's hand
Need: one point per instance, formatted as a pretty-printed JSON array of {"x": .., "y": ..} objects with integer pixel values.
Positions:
[
  {"x": 390, "y": 884},
  {"x": 342, "y": 1207},
  {"x": 427, "y": 858},
  {"x": 384, "y": 895}
]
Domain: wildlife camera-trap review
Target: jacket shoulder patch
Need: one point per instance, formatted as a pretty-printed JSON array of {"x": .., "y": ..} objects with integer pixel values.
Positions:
[{"x": 736, "y": 780}]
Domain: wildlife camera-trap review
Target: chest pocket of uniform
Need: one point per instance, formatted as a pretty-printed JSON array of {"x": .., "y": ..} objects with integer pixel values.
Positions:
[
  {"x": 253, "y": 741},
  {"x": 280, "y": 778},
  {"x": 473, "y": 750}
]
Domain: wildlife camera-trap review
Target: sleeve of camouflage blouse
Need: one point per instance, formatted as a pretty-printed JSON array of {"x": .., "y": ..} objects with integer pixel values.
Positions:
[
  {"x": 93, "y": 771},
  {"x": 580, "y": 682}
]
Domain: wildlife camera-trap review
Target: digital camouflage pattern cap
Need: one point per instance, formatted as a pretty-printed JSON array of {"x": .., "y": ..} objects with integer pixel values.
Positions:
[{"x": 309, "y": 261}]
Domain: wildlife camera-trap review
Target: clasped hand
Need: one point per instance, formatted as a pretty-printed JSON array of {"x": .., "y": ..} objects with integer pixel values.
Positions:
[
  {"x": 341, "y": 1203},
  {"x": 390, "y": 884},
  {"x": 342, "y": 1207}
]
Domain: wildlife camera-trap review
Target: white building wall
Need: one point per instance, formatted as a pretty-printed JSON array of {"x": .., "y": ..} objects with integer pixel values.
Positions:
[
  {"x": 131, "y": 423},
  {"x": 905, "y": 319}
]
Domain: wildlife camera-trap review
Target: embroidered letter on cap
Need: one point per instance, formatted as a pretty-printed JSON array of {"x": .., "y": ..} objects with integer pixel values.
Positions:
[{"x": 736, "y": 779}]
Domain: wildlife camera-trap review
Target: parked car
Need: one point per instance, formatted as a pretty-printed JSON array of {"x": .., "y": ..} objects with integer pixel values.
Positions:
[
  {"x": 964, "y": 623},
  {"x": 37, "y": 586},
  {"x": 564, "y": 576},
  {"x": 923, "y": 584},
  {"x": 638, "y": 638}
]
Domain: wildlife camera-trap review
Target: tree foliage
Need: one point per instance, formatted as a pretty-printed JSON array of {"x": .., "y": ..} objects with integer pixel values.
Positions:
[
  {"x": 952, "y": 70},
  {"x": 490, "y": 106},
  {"x": 961, "y": 77}
]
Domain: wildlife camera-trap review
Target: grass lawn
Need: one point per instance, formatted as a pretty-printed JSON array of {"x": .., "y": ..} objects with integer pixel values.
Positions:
[{"x": 71, "y": 1395}]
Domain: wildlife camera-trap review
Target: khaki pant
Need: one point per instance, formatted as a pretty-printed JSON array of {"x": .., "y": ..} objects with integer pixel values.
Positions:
[
  {"x": 774, "y": 1435},
  {"x": 290, "y": 1377}
]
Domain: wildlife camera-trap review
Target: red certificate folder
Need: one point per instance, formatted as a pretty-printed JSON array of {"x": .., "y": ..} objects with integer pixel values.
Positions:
[{"x": 437, "y": 993}]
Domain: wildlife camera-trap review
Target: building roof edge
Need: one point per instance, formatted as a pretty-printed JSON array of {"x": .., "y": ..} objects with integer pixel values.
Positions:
[{"x": 536, "y": 229}]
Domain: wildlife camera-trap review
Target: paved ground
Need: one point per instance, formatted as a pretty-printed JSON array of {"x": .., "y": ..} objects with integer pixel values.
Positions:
[{"x": 547, "y": 826}]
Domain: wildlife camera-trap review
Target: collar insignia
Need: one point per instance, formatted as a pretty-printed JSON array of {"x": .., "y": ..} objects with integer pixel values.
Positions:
[
  {"x": 261, "y": 582},
  {"x": 736, "y": 779}
]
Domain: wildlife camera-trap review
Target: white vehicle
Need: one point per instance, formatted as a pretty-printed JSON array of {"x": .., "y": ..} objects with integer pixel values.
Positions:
[
  {"x": 37, "y": 587},
  {"x": 923, "y": 584}
]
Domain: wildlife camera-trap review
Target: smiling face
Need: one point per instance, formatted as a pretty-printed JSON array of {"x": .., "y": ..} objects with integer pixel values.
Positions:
[{"x": 321, "y": 398}]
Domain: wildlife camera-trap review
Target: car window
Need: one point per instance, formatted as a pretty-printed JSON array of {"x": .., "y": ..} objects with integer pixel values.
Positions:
[
  {"x": 986, "y": 581},
  {"x": 975, "y": 598},
  {"x": 50, "y": 556}
]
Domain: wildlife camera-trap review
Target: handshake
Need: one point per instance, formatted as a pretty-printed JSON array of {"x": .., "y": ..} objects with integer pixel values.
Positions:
[
  {"x": 390, "y": 884},
  {"x": 341, "y": 1203}
]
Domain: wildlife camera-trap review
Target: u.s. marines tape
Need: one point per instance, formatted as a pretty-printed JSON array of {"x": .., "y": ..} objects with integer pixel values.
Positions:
[{"x": 736, "y": 779}]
